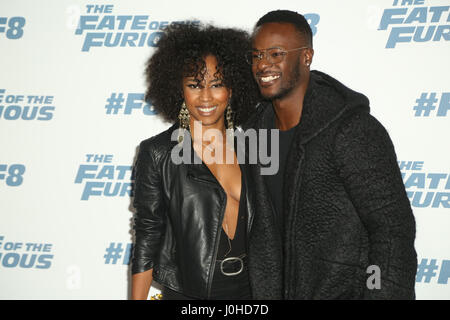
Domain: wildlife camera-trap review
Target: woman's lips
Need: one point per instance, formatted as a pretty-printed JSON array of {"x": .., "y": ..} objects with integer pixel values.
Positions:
[{"x": 206, "y": 111}]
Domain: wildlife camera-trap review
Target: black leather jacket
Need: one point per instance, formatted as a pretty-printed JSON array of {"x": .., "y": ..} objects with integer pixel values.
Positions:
[{"x": 179, "y": 213}]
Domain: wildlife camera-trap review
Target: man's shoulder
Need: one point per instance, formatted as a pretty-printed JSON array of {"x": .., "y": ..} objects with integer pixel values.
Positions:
[
  {"x": 360, "y": 118},
  {"x": 255, "y": 121},
  {"x": 360, "y": 126}
]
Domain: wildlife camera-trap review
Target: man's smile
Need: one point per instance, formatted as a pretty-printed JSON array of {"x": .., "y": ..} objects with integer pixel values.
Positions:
[
  {"x": 266, "y": 80},
  {"x": 269, "y": 78}
]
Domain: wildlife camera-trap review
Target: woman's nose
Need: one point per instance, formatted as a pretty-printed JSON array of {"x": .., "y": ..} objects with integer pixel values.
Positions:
[{"x": 205, "y": 94}]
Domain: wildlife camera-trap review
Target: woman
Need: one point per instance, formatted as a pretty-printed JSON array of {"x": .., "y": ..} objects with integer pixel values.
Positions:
[{"x": 193, "y": 217}]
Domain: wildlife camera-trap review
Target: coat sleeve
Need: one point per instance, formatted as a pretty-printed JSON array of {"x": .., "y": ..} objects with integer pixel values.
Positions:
[
  {"x": 368, "y": 166},
  {"x": 150, "y": 216}
]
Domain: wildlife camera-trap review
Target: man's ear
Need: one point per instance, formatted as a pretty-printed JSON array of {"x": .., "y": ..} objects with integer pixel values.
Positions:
[{"x": 308, "y": 57}]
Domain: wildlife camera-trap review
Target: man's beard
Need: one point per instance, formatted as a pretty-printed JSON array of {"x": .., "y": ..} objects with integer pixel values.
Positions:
[{"x": 285, "y": 90}]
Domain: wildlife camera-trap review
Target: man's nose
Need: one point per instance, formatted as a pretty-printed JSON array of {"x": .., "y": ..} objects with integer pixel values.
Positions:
[{"x": 263, "y": 63}]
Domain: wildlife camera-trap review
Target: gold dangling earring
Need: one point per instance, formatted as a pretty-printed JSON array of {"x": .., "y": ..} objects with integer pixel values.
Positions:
[
  {"x": 184, "y": 118},
  {"x": 230, "y": 126}
]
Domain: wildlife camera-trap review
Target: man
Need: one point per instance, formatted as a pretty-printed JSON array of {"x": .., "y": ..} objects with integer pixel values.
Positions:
[{"x": 335, "y": 221}]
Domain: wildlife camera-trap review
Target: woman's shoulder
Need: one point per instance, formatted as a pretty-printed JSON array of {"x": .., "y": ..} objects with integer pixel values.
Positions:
[{"x": 160, "y": 142}]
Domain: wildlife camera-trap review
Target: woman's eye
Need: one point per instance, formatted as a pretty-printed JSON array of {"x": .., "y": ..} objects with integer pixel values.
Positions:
[
  {"x": 192, "y": 85},
  {"x": 217, "y": 85}
]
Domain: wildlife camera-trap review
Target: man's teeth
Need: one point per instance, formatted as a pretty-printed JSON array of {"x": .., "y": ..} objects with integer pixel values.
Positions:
[
  {"x": 269, "y": 78},
  {"x": 207, "y": 109}
]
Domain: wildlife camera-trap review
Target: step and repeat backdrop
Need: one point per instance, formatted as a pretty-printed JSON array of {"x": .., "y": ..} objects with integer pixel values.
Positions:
[{"x": 72, "y": 115}]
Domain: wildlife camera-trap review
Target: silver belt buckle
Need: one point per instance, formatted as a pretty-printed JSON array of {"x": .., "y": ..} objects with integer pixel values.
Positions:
[{"x": 232, "y": 259}]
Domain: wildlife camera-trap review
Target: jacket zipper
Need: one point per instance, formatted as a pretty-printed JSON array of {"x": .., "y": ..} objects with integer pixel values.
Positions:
[
  {"x": 289, "y": 289},
  {"x": 250, "y": 221},
  {"x": 216, "y": 245},
  {"x": 216, "y": 248}
]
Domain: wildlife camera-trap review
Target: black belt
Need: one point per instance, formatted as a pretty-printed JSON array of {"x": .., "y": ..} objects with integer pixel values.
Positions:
[{"x": 232, "y": 266}]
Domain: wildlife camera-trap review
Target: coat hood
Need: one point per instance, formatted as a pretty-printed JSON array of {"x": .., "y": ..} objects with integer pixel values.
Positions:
[{"x": 326, "y": 100}]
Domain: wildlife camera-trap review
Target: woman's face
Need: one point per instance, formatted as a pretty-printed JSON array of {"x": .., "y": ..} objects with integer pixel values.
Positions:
[{"x": 207, "y": 98}]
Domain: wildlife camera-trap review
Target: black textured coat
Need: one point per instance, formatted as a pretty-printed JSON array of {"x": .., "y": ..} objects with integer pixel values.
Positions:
[{"x": 345, "y": 206}]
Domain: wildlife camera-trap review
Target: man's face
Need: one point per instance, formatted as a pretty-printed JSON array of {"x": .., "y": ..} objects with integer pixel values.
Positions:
[{"x": 277, "y": 80}]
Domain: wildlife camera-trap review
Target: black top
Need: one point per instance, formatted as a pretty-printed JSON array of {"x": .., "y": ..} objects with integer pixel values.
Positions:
[
  {"x": 275, "y": 182},
  {"x": 238, "y": 242},
  {"x": 236, "y": 286}
]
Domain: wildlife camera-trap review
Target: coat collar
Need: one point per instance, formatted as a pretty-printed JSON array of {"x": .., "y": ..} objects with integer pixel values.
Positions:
[
  {"x": 326, "y": 100},
  {"x": 200, "y": 172}
]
